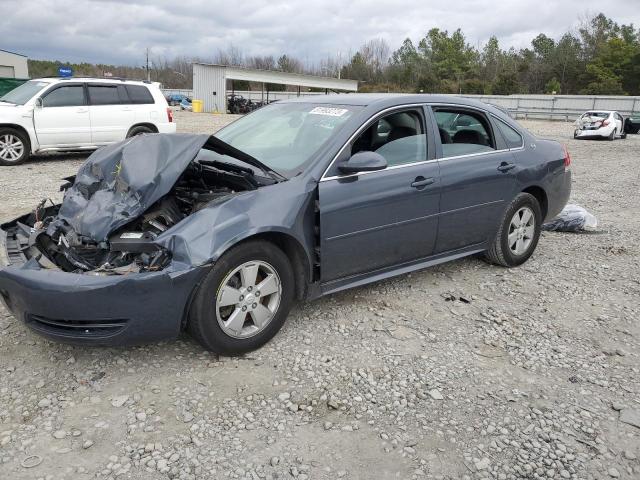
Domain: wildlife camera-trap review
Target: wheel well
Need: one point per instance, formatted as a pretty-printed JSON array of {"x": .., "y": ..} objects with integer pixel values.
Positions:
[
  {"x": 541, "y": 196},
  {"x": 296, "y": 254},
  {"x": 20, "y": 128},
  {"x": 150, "y": 126}
]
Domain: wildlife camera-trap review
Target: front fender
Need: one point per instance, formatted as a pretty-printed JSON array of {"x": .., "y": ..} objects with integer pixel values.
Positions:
[
  {"x": 25, "y": 125},
  {"x": 284, "y": 209}
]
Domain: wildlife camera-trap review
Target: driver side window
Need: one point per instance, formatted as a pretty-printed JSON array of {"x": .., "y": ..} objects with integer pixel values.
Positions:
[{"x": 399, "y": 137}]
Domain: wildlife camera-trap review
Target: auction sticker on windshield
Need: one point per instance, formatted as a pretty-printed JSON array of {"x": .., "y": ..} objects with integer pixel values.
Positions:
[{"x": 332, "y": 112}]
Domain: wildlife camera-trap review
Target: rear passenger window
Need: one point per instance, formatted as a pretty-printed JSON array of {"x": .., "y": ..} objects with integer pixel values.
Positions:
[
  {"x": 399, "y": 137},
  {"x": 122, "y": 93},
  {"x": 463, "y": 132},
  {"x": 511, "y": 135},
  {"x": 139, "y": 94},
  {"x": 104, "y": 95}
]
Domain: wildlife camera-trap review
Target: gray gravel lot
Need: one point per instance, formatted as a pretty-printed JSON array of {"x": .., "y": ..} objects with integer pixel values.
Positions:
[{"x": 465, "y": 370}]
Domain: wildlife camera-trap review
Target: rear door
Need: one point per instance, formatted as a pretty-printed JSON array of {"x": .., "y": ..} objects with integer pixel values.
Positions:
[
  {"x": 375, "y": 220},
  {"x": 477, "y": 173},
  {"x": 619, "y": 123},
  {"x": 111, "y": 112},
  {"x": 144, "y": 105},
  {"x": 63, "y": 118}
]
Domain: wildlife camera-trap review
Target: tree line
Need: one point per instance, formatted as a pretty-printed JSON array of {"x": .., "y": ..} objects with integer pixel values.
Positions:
[{"x": 600, "y": 57}]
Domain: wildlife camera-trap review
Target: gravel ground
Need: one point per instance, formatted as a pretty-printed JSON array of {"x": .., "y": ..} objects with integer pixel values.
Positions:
[{"x": 462, "y": 371}]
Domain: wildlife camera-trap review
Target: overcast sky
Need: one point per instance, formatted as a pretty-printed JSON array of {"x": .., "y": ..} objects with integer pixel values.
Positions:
[{"x": 118, "y": 31}]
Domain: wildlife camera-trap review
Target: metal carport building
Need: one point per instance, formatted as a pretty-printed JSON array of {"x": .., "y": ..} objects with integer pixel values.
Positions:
[
  {"x": 13, "y": 65},
  {"x": 210, "y": 82}
]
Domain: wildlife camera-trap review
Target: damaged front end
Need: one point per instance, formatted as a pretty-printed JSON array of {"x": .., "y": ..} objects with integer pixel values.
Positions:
[
  {"x": 118, "y": 261},
  {"x": 55, "y": 245},
  {"x": 123, "y": 198}
]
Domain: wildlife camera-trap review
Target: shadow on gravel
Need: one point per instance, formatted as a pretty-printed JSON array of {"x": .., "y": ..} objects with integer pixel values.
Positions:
[{"x": 57, "y": 157}]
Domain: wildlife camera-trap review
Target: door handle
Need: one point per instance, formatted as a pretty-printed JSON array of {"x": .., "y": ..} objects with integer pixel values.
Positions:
[
  {"x": 127, "y": 109},
  {"x": 82, "y": 110},
  {"x": 421, "y": 182},
  {"x": 505, "y": 167}
]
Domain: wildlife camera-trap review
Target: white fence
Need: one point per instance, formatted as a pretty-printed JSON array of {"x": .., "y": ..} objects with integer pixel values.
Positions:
[
  {"x": 567, "y": 107},
  {"x": 560, "y": 106}
]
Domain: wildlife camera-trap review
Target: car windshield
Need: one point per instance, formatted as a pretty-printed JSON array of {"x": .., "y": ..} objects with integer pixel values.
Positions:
[
  {"x": 285, "y": 136},
  {"x": 25, "y": 92},
  {"x": 596, "y": 114}
]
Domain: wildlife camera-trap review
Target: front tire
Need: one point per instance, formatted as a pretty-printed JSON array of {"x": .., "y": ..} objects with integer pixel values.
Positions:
[
  {"x": 518, "y": 234},
  {"x": 14, "y": 147},
  {"x": 244, "y": 300}
]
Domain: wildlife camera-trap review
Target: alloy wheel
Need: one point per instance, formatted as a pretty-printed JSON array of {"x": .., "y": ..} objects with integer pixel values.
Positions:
[
  {"x": 248, "y": 299},
  {"x": 11, "y": 148},
  {"x": 521, "y": 231}
]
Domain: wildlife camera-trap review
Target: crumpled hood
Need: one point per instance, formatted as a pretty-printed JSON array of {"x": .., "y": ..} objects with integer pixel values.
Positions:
[{"x": 121, "y": 181}]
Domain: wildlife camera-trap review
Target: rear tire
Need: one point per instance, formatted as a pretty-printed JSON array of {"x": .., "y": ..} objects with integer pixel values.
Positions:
[
  {"x": 139, "y": 130},
  {"x": 513, "y": 245},
  {"x": 14, "y": 147},
  {"x": 229, "y": 314},
  {"x": 612, "y": 136}
]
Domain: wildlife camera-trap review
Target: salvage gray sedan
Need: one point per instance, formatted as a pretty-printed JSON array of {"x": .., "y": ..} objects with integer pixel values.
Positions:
[{"x": 220, "y": 234}]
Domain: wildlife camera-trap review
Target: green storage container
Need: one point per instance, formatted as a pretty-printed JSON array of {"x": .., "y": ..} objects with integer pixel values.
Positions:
[{"x": 8, "y": 84}]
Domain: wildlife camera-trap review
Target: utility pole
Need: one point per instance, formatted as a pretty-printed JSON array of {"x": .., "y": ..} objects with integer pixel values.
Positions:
[{"x": 148, "y": 71}]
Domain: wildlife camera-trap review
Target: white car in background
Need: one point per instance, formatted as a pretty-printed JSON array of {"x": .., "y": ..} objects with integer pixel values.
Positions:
[
  {"x": 72, "y": 114},
  {"x": 600, "y": 124}
]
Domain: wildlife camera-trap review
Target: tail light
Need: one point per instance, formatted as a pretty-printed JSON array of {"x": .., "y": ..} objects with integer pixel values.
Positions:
[
  {"x": 605, "y": 123},
  {"x": 169, "y": 115},
  {"x": 567, "y": 158}
]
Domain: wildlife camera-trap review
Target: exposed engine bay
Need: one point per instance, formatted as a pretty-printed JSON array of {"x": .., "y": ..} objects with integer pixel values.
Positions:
[{"x": 43, "y": 237}]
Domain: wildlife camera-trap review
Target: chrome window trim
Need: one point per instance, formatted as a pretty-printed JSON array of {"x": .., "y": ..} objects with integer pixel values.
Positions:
[{"x": 394, "y": 167}]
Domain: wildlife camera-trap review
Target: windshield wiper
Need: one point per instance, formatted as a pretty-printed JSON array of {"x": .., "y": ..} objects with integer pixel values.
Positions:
[
  {"x": 223, "y": 148},
  {"x": 7, "y": 101}
]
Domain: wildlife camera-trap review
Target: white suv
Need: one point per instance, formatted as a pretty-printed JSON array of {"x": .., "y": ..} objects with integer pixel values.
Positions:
[{"x": 70, "y": 114}]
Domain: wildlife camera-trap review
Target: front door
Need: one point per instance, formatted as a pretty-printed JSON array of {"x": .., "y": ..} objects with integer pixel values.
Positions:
[
  {"x": 62, "y": 120},
  {"x": 477, "y": 177},
  {"x": 375, "y": 220}
]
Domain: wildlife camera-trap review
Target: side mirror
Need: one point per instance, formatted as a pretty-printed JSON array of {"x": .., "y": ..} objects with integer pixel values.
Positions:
[
  {"x": 363, "y": 162},
  {"x": 39, "y": 102}
]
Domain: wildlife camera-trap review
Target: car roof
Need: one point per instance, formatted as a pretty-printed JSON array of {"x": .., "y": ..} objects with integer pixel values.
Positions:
[
  {"x": 381, "y": 101},
  {"x": 386, "y": 99},
  {"x": 92, "y": 80}
]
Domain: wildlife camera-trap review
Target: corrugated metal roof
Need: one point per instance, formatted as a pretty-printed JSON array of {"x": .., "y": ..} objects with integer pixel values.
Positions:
[
  {"x": 13, "y": 53},
  {"x": 284, "y": 78}
]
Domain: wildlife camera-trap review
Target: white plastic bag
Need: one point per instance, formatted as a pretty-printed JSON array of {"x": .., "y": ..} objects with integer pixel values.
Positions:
[{"x": 572, "y": 218}]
